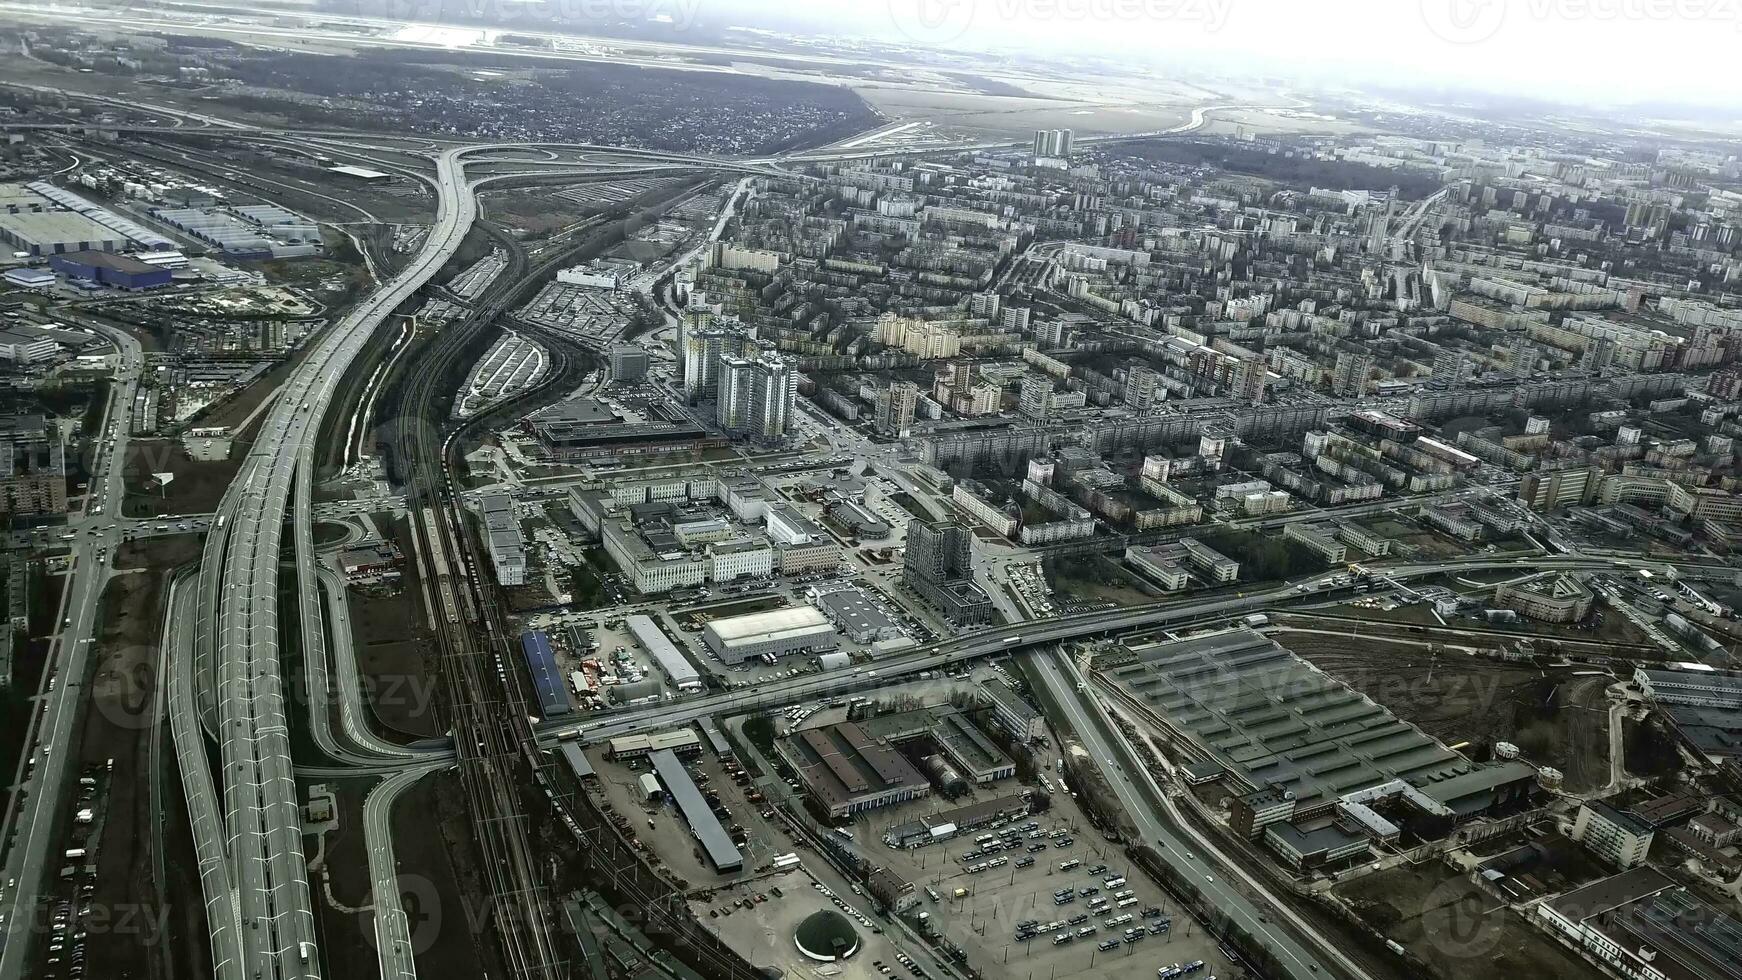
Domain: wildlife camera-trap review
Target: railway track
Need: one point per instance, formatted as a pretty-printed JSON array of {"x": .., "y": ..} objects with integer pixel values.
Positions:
[{"x": 485, "y": 701}]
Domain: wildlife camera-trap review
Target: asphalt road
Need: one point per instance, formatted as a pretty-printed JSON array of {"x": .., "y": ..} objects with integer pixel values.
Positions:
[
  {"x": 262, "y": 815},
  {"x": 1141, "y": 799},
  {"x": 32, "y": 820}
]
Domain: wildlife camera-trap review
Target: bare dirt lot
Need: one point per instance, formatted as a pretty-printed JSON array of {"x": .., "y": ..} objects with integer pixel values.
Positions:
[
  {"x": 1456, "y": 930},
  {"x": 395, "y": 650},
  {"x": 197, "y": 487},
  {"x": 1557, "y": 718}
]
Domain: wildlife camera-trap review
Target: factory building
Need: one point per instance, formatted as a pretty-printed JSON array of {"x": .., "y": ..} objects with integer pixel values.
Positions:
[
  {"x": 547, "y": 680},
  {"x": 857, "y": 617},
  {"x": 1337, "y": 761},
  {"x": 847, "y": 771},
  {"x": 965, "y": 751},
  {"x": 682, "y": 741},
  {"x": 108, "y": 269},
  {"x": 57, "y": 232},
  {"x": 30, "y": 278},
  {"x": 780, "y": 632},
  {"x": 1641, "y": 925}
]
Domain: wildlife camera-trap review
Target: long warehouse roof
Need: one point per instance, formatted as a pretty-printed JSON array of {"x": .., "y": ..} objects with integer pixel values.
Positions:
[
  {"x": 677, "y": 668},
  {"x": 713, "y": 837},
  {"x": 770, "y": 625}
]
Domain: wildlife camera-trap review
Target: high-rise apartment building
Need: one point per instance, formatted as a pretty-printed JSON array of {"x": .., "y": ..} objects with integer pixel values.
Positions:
[
  {"x": 1036, "y": 396},
  {"x": 1141, "y": 387},
  {"x": 776, "y": 392},
  {"x": 896, "y": 406},
  {"x": 939, "y": 567},
  {"x": 756, "y": 395},
  {"x": 1349, "y": 379},
  {"x": 736, "y": 390},
  {"x": 1054, "y": 143},
  {"x": 704, "y": 350}
]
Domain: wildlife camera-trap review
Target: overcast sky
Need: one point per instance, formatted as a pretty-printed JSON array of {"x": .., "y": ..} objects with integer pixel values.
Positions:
[{"x": 1594, "y": 50}]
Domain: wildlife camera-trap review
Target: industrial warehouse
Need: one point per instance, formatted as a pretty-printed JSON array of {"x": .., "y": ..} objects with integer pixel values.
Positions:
[
  {"x": 846, "y": 771},
  {"x": 778, "y": 633},
  {"x": 715, "y": 842},
  {"x": 1316, "y": 770}
]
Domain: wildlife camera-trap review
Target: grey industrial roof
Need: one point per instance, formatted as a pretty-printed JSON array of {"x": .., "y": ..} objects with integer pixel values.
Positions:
[
  {"x": 855, "y": 609},
  {"x": 48, "y": 228},
  {"x": 673, "y": 663},
  {"x": 713, "y": 837},
  {"x": 1270, "y": 717},
  {"x": 1611, "y": 893},
  {"x": 1329, "y": 837},
  {"x": 577, "y": 759}
]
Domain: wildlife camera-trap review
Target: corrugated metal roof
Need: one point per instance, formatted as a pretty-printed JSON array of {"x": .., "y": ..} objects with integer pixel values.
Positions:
[{"x": 771, "y": 623}]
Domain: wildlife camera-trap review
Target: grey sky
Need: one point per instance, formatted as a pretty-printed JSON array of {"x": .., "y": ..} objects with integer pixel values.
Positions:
[{"x": 1600, "y": 50}]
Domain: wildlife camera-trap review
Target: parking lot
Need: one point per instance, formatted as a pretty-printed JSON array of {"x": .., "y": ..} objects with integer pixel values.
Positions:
[
  {"x": 661, "y": 827},
  {"x": 1051, "y": 899},
  {"x": 761, "y": 918}
]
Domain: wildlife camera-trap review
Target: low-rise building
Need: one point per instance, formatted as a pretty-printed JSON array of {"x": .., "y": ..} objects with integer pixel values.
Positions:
[
  {"x": 780, "y": 632},
  {"x": 1160, "y": 563},
  {"x": 1549, "y": 598},
  {"x": 1303, "y": 849},
  {"x": 1317, "y": 542},
  {"x": 856, "y": 616},
  {"x": 1642, "y": 926},
  {"x": 502, "y": 539},
  {"x": 670, "y": 660},
  {"x": 682, "y": 741},
  {"x": 1019, "y": 719},
  {"x": 110, "y": 269},
  {"x": 1214, "y": 565},
  {"x": 33, "y": 476},
  {"x": 846, "y": 771}
]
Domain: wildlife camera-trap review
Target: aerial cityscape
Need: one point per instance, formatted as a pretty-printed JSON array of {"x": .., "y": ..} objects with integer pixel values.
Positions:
[{"x": 934, "y": 489}]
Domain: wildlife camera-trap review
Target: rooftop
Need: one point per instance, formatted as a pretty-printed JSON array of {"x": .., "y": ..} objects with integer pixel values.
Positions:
[
  {"x": 769, "y": 625},
  {"x": 842, "y": 763},
  {"x": 1270, "y": 717},
  {"x": 713, "y": 837}
]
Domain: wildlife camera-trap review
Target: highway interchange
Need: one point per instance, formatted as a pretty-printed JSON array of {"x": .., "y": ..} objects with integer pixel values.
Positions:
[{"x": 225, "y": 677}]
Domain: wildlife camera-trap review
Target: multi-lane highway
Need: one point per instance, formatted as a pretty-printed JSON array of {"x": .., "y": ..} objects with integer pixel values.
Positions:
[
  {"x": 392, "y": 930},
  {"x": 263, "y": 838},
  {"x": 31, "y": 822},
  {"x": 1301, "y": 951},
  {"x": 949, "y": 653}
]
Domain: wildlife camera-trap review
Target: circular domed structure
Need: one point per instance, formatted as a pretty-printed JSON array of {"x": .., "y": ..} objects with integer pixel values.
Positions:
[{"x": 826, "y": 937}]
